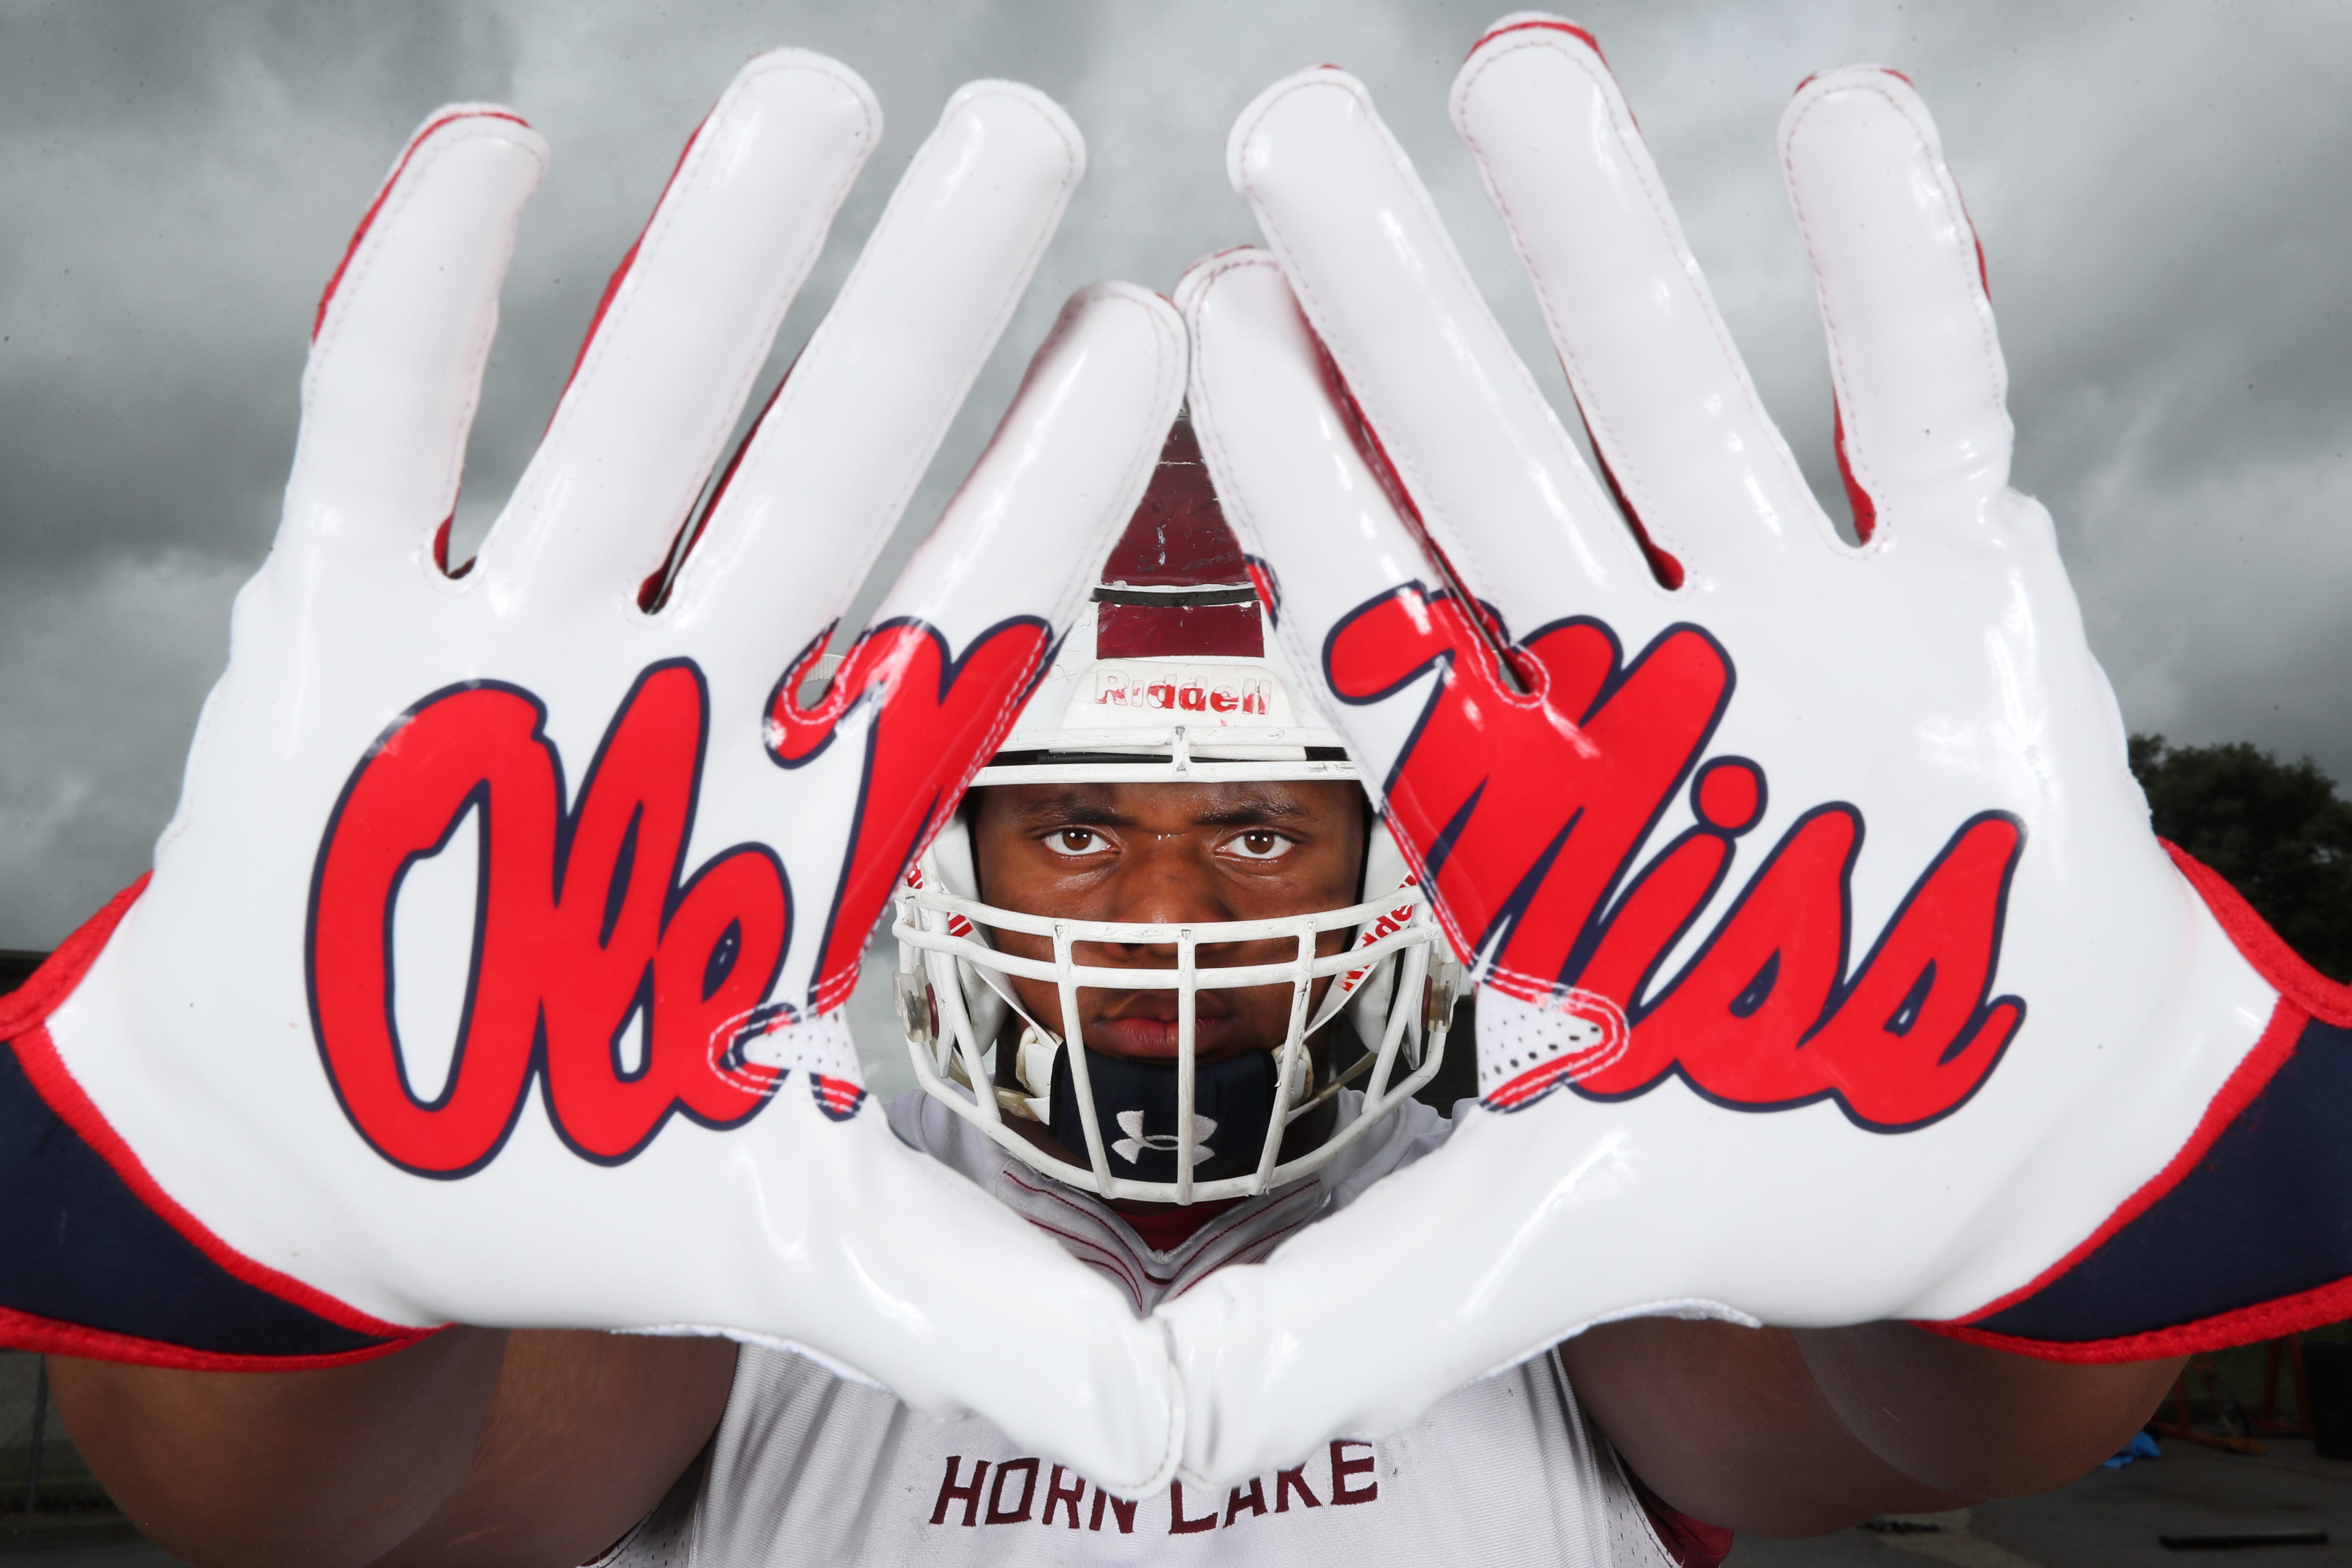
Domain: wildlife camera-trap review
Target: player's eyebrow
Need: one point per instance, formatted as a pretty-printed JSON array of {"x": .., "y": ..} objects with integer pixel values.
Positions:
[
  {"x": 1253, "y": 810},
  {"x": 1078, "y": 808}
]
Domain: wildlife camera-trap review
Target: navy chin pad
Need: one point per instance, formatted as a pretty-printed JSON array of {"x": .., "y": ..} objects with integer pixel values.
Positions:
[{"x": 1135, "y": 1106}]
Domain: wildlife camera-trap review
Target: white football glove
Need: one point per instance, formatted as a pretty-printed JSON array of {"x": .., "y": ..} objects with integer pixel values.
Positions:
[
  {"x": 491, "y": 969},
  {"x": 1737, "y": 1057}
]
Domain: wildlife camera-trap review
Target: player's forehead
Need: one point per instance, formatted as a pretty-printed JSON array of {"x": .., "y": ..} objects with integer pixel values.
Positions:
[{"x": 1165, "y": 807}]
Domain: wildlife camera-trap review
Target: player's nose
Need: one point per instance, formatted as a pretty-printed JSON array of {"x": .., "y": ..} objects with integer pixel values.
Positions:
[{"x": 1164, "y": 883}]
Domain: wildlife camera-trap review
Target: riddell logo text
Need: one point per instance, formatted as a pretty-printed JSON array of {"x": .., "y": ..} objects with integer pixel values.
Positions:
[
  {"x": 1026, "y": 1490},
  {"x": 1388, "y": 924},
  {"x": 1191, "y": 694}
]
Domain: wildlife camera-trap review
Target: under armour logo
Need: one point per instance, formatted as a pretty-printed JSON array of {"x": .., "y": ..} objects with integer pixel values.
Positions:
[{"x": 1130, "y": 1148}]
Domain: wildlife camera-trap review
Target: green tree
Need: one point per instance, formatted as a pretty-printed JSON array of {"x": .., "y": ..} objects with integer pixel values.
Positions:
[{"x": 2276, "y": 830}]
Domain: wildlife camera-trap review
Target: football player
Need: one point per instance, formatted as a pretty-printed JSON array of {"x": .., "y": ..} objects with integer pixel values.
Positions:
[
  {"x": 1181, "y": 978},
  {"x": 1171, "y": 811}
]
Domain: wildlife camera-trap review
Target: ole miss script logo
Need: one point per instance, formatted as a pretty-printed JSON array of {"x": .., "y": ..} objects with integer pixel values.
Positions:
[
  {"x": 587, "y": 920},
  {"x": 1527, "y": 811}
]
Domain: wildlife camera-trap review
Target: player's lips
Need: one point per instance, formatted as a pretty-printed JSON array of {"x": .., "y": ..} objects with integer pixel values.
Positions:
[{"x": 1143, "y": 1028}]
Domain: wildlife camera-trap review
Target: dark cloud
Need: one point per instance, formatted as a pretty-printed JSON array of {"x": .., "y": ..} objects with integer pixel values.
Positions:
[
  {"x": 156, "y": 63},
  {"x": 2160, "y": 191}
]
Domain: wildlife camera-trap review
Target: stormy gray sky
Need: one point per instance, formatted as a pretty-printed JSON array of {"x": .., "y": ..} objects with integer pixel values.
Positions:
[{"x": 2163, "y": 190}]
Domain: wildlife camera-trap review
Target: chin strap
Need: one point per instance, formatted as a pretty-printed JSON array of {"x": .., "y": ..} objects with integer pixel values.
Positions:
[{"x": 1032, "y": 1064}]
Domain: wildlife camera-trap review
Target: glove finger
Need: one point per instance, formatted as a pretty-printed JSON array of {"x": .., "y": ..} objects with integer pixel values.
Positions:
[
  {"x": 401, "y": 334},
  {"x": 967, "y": 628},
  {"x": 684, "y": 326},
  {"x": 1471, "y": 774},
  {"x": 1673, "y": 414},
  {"x": 1922, "y": 388},
  {"x": 840, "y": 450},
  {"x": 1480, "y": 454},
  {"x": 1290, "y": 478}
]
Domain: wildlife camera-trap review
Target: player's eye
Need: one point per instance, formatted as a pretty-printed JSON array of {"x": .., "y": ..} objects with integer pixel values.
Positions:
[
  {"x": 1260, "y": 844},
  {"x": 1074, "y": 841}
]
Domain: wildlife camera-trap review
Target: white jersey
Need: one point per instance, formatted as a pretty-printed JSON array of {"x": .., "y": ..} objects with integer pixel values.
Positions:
[{"x": 810, "y": 1469}]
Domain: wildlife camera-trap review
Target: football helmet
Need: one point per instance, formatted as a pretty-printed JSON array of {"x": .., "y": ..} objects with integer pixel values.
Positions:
[{"x": 1170, "y": 677}]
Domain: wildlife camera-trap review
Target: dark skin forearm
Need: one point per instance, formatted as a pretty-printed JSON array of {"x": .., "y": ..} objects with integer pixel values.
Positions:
[
  {"x": 474, "y": 1446},
  {"x": 330, "y": 1467},
  {"x": 1782, "y": 1432},
  {"x": 587, "y": 1432},
  {"x": 1977, "y": 1421},
  {"x": 481, "y": 1447}
]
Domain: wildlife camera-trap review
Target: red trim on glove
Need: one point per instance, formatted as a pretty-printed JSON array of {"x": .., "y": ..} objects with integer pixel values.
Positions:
[
  {"x": 1857, "y": 499},
  {"x": 1546, "y": 24},
  {"x": 2309, "y": 1309},
  {"x": 2303, "y": 994},
  {"x": 367, "y": 219},
  {"x": 24, "y": 1016},
  {"x": 2324, "y": 999},
  {"x": 30, "y": 1004},
  {"x": 654, "y": 592},
  {"x": 1664, "y": 565},
  {"x": 628, "y": 264},
  {"x": 46, "y": 1336},
  {"x": 2251, "y": 1078}
]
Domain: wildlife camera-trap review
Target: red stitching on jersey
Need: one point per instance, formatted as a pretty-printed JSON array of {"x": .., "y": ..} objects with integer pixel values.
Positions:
[
  {"x": 1181, "y": 1227},
  {"x": 1212, "y": 1229},
  {"x": 1129, "y": 1275},
  {"x": 1055, "y": 1194},
  {"x": 1108, "y": 1261},
  {"x": 1238, "y": 1218},
  {"x": 1233, "y": 1219},
  {"x": 1218, "y": 1227},
  {"x": 1267, "y": 1241},
  {"x": 46, "y": 1336},
  {"x": 367, "y": 219}
]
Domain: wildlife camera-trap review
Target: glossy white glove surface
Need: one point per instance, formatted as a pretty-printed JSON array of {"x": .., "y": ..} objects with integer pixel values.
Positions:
[
  {"x": 1831, "y": 970},
  {"x": 594, "y": 1076}
]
